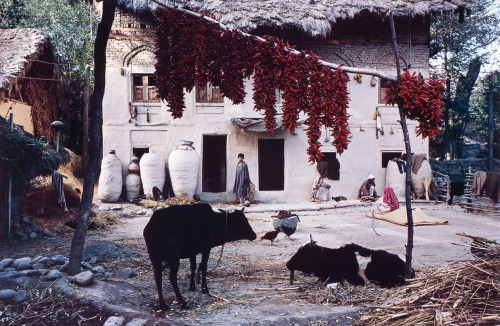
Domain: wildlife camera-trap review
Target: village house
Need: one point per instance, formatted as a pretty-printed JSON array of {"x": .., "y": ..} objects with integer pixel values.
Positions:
[
  {"x": 31, "y": 98},
  {"x": 354, "y": 34}
]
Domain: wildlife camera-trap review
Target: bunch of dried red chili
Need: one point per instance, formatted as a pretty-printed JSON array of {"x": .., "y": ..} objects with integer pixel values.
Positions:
[
  {"x": 192, "y": 51},
  {"x": 422, "y": 101}
]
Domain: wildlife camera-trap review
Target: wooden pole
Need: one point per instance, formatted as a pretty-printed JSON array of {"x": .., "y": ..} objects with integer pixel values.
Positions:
[
  {"x": 86, "y": 91},
  {"x": 409, "y": 245},
  {"x": 9, "y": 200}
]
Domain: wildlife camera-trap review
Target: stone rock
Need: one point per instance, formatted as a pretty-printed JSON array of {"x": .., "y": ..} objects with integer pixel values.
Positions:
[
  {"x": 20, "y": 296},
  {"x": 116, "y": 207},
  {"x": 36, "y": 272},
  {"x": 100, "y": 276},
  {"x": 136, "y": 322},
  {"x": 49, "y": 262},
  {"x": 83, "y": 279},
  {"x": 36, "y": 259},
  {"x": 24, "y": 265},
  {"x": 86, "y": 265},
  {"x": 93, "y": 260},
  {"x": 64, "y": 268},
  {"x": 19, "y": 235},
  {"x": 25, "y": 219},
  {"x": 39, "y": 266},
  {"x": 33, "y": 235},
  {"x": 125, "y": 272},
  {"x": 56, "y": 267},
  {"x": 53, "y": 274},
  {"x": 9, "y": 269},
  {"x": 1, "y": 268},
  {"x": 6, "y": 294},
  {"x": 104, "y": 207},
  {"x": 47, "y": 233},
  {"x": 21, "y": 260},
  {"x": 59, "y": 260},
  {"x": 150, "y": 212},
  {"x": 114, "y": 321},
  {"x": 6, "y": 262},
  {"x": 98, "y": 269}
]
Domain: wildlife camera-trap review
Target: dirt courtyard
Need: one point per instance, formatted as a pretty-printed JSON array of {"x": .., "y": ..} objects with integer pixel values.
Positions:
[{"x": 251, "y": 284}]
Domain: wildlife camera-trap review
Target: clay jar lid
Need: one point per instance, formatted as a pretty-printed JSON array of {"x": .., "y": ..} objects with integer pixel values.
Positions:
[{"x": 133, "y": 167}]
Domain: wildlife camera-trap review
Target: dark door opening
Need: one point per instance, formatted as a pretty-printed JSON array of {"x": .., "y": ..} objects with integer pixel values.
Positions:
[
  {"x": 214, "y": 164},
  {"x": 271, "y": 164},
  {"x": 138, "y": 152},
  {"x": 332, "y": 165},
  {"x": 387, "y": 156}
]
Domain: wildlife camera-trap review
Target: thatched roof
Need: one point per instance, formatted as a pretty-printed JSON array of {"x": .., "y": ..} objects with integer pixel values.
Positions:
[
  {"x": 312, "y": 16},
  {"x": 16, "y": 47}
]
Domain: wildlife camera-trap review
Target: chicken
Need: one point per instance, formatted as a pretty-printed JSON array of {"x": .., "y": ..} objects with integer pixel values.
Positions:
[
  {"x": 288, "y": 231},
  {"x": 271, "y": 235}
]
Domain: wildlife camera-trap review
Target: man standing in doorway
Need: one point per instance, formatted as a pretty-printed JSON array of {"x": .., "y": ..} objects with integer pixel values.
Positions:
[{"x": 242, "y": 181}]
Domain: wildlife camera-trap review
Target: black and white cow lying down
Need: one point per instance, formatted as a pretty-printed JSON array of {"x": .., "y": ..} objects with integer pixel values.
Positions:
[
  {"x": 183, "y": 232},
  {"x": 355, "y": 264}
]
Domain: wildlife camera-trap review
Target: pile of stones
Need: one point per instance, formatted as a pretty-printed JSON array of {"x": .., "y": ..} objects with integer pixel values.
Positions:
[{"x": 48, "y": 269}]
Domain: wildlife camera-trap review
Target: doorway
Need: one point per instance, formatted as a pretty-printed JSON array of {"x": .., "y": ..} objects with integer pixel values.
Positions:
[
  {"x": 271, "y": 164},
  {"x": 214, "y": 164}
]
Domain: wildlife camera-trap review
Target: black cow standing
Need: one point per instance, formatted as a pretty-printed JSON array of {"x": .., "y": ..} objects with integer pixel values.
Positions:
[
  {"x": 183, "y": 232},
  {"x": 355, "y": 264}
]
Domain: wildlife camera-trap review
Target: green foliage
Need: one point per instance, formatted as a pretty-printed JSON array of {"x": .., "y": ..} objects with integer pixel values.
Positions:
[
  {"x": 458, "y": 50},
  {"x": 480, "y": 105},
  {"x": 72, "y": 29},
  {"x": 25, "y": 157}
]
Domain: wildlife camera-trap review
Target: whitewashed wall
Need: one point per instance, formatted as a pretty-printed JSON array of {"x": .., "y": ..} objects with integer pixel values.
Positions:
[{"x": 163, "y": 133}]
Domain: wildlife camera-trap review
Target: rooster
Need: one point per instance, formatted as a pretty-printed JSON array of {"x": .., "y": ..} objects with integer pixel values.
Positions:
[
  {"x": 288, "y": 231},
  {"x": 271, "y": 235}
]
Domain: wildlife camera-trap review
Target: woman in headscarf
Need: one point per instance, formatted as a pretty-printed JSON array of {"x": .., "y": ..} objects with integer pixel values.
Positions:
[{"x": 387, "y": 203}]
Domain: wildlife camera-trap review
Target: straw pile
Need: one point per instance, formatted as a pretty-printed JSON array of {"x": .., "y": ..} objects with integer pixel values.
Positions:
[
  {"x": 181, "y": 200},
  {"x": 463, "y": 293}
]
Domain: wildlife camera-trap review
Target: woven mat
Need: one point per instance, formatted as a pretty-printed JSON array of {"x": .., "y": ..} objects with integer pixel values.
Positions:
[{"x": 399, "y": 217}]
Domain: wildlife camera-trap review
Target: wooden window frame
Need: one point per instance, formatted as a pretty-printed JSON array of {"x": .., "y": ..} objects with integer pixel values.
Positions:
[
  {"x": 148, "y": 94},
  {"x": 209, "y": 94}
]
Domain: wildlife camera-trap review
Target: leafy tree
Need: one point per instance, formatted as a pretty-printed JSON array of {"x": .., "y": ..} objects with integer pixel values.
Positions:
[{"x": 456, "y": 48}]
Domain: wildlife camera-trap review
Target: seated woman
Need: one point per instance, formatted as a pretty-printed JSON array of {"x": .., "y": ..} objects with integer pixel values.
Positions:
[
  {"x": 320, "y": 190},
  {"x": 387, "y": 203}
]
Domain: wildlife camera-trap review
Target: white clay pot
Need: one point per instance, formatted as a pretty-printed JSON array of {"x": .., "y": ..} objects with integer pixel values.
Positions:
[
  {"x": 133, "y": 186},
  {"x": 133, "y": 180},
  {"x": 110, "y": 180},
  {"x": 183, "y": 165},
  {"x": 395, "y": 180},
  {"x": 152, "y": 172}
]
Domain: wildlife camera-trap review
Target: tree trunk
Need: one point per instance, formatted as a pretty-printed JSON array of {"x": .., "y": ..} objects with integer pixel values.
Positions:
[
  {"x": 409, "y": 245},
  {"x": 95, "y": 135},
  {"x": 446, "y": 111},
  {"x": 491, "y": 126}
]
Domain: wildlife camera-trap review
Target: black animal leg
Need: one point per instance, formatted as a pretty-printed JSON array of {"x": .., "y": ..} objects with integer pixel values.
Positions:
[
  {"x": 192, "y": 261},
  {"x": 204, "y": 263},
  {"x": 157, "y": 270},
  {"x": 174, "y": 268}
]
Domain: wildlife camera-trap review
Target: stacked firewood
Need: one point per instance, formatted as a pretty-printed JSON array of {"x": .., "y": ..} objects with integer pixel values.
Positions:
[{"x": 463, "y": 293}]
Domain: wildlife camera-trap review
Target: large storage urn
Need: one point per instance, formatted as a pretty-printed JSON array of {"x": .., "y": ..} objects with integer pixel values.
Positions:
[
  {"x": 110, "y": 180},
  {"x": 152, "y": 172},
  {"x": 183, "y": 165},
  {"x": 395, "y": 179},
  {"x": 133, "y": 180}
]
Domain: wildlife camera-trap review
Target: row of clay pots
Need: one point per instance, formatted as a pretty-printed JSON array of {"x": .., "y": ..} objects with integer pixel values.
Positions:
[{"x": 183, "y": 164}]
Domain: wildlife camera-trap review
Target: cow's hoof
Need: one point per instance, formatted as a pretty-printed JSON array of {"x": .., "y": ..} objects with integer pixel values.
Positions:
[
  {"x": 204, "y": 291},
  {"x": 192, "y": 288},
  {"x": 163, "y": 307}
]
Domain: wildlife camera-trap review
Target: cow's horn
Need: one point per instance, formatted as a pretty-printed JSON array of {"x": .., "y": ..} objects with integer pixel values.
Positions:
[
  {"x": 242, "y": 209},
  {"x": 310, "y": 235}
]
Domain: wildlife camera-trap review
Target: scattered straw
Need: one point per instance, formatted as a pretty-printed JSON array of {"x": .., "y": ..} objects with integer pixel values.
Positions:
[
  {"x": 148, "y": 203},
  {"x": 463, "y": 293}
]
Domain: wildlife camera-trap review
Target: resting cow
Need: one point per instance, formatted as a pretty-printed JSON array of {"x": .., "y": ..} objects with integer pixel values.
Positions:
[
  {"x": 183, "y": 232},
  {"x": 355, "y": 264}
]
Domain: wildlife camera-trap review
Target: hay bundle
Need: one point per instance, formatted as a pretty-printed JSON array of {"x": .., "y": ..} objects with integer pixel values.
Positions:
[
  {"x": 463, "y": 293},
  {"x": 181, "y": 200}
]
